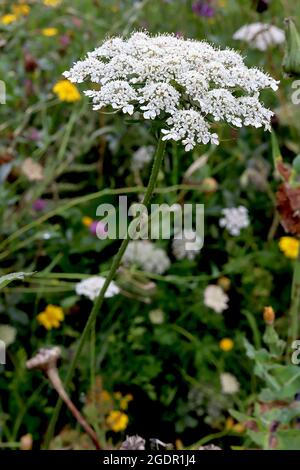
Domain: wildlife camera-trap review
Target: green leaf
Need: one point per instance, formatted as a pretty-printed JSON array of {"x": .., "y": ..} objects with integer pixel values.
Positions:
[
  {"x": 5, "y": 280},
  {"x": 259, "y": 438},
  {"x": 288, "y": 439},
  {"x": 240, "y": 417}
]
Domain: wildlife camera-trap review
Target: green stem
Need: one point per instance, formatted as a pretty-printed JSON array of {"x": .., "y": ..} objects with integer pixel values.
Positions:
[
  {"x": 93, "y": 360},
  {"x": 295, "y": 301},
  {"x": 159, "y": 154}
]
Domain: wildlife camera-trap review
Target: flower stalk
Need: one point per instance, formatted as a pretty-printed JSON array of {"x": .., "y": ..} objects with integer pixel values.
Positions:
[
  {"x": 158, "y": 158},
  {"x": 295, "y": 301},
  {"x": 46, "y": 360}
]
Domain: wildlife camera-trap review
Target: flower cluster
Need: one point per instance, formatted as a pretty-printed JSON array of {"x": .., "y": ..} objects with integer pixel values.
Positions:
[
  {"x": 260, "y": 36},
  {"x": 117, "y": 421},
  {"x": 92, "y": 286},
  {"x": 146, "y": 256},
  {"x": 188, "y": 84},
  {"x": 188, "y": 246},
  {"x": 234, "y": 219},
  {"x": 229, "y": 383},
  {"x": 215, "y": 298}
]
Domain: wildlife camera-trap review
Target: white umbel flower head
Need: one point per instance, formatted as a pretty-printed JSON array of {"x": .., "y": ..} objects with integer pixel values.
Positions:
[
  {"x": 146, "y": 256},
  {"x": 260, "y": 36},
  {"x": 92, "y": 286},
  {"x": 215, "y": 298},
  {"x": 229, "y": 383},
  {"x": 187, "y": 247},
  {"x": 142, "y": 157},
  {"x": 186, "y": 84},
  {"x": 235, "y": 219}
]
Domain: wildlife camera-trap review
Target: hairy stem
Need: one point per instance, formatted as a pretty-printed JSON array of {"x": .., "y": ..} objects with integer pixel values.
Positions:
[{"x": 159, "y": 154}]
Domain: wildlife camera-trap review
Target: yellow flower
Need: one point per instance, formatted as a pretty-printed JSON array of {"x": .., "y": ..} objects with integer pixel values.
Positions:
[
  {"x": 49, "y": 32},
  {"x": 238, "y": 428},
  {"x": 289, "y": 246},
  {"x": 87, "y": 221},
  {"x": 118, "y": 395},
  {"x": 51, "y": 317},
  {"x": 224, "y": 282},
  {"x": 229, "y": 423},
  {"x": 105, "y": 396},
  {"x": 117, "y": 421},
  {"x": 226, "y": 344},
  {"x": 125, "y": 400},
  {"x": 66, "y": 91},
  {"x": 52, "y": 3},
  {"x": 8, "y": 19},
  {"x": 20, "y": 10}
]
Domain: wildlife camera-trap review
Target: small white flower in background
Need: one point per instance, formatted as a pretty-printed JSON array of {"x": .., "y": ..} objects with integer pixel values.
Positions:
[
  {"x": 229, "y": 383},
  {"x": 92, "y": 286},
  {"x": 235, "y": 219},
  {"x": 215, "y": 298},
  {"x": 156, "y": 316},
  {"x": 181, "y": 248},
  {"x": 142, "y": 157},
  {"x": 32, "y": 170},
  {"x": 186, "y": 83},
  {"x": 146, "y": 256},
  {"x": 260, "y": 36}
]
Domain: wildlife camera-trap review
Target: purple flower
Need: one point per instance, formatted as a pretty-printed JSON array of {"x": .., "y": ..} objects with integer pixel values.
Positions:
[
  {"x": 39, "y": 205},
  {"x": 33, "y": 134},
  {"x": 202, "y": 8},
  {"x": 97, "y": 227}
]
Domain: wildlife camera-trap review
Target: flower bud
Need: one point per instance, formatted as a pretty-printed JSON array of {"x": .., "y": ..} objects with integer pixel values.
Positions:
[
  {"x": 269, "y": 315},
  {"x": 26, "y": 442},
  {"x": 209, "y": 185},
  {"x": 291, "y": 60},
  {"x": 261, "y": 5}
]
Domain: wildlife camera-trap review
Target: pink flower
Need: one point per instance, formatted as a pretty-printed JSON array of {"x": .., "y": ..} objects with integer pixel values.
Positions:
[{"x": 97, "y": 227}]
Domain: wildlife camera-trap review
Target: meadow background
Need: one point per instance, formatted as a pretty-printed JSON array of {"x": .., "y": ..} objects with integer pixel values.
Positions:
[{"x": 161, "y": 353}]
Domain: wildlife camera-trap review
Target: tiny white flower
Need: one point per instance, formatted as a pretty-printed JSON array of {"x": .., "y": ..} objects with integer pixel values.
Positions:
[
  {"x": 260, "y": 36},
  {"x": 156, "y": 316},
  {"x": 215, "y": 298},
  {"x": 32, "y": 170},
  {"x": 92, "y": 286},
  {"x": 235, "y": 219},
  {"x": 146, "y": 256},
  {"x": 142, "y": 157},
  {"x": 229, "y": 383}
]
